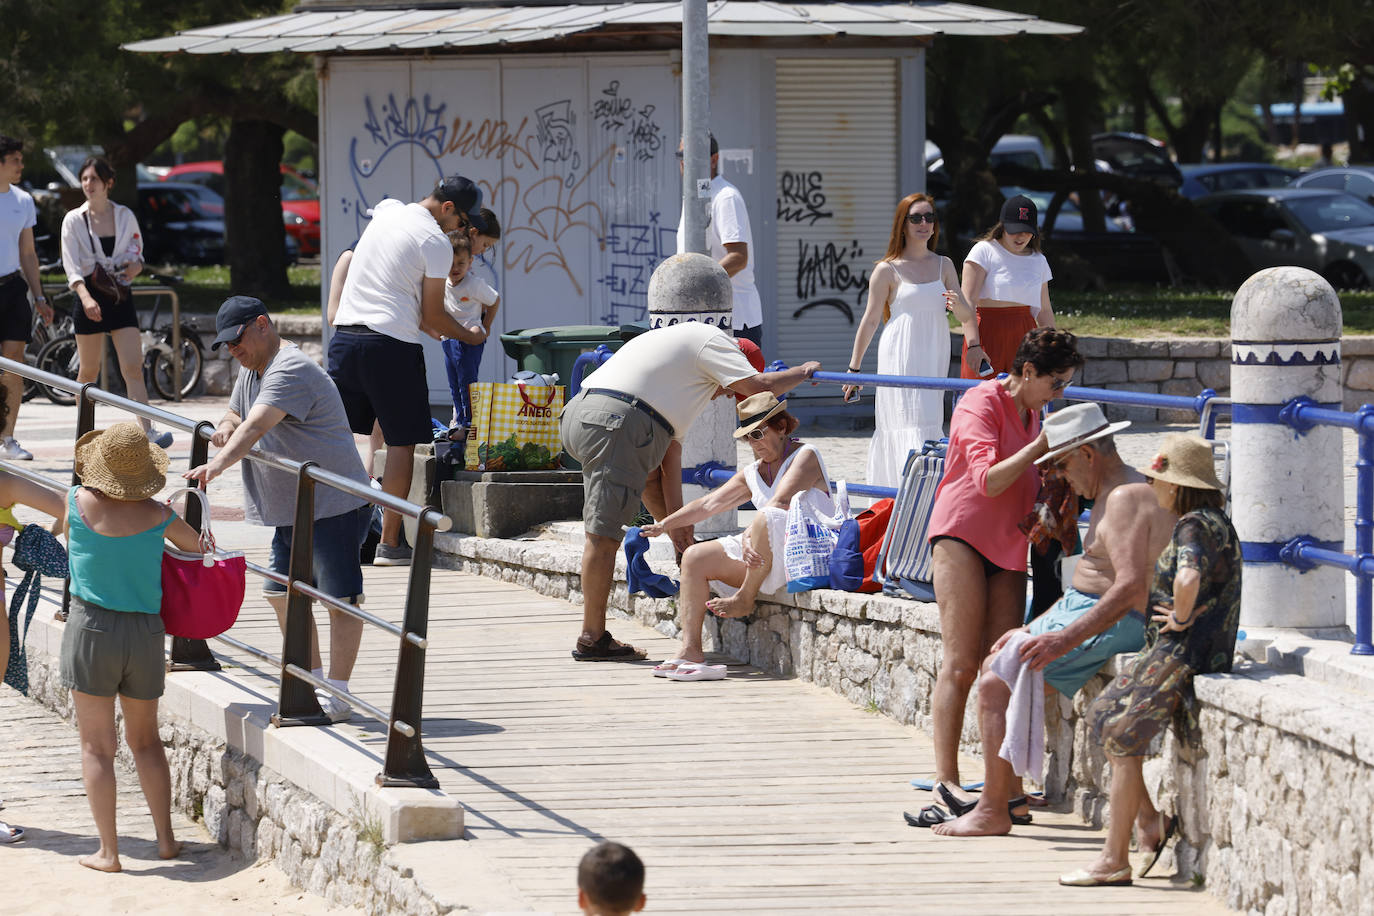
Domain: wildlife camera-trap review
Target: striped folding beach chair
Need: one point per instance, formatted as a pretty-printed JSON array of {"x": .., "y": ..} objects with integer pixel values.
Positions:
[{"x": 904, "y": 562}]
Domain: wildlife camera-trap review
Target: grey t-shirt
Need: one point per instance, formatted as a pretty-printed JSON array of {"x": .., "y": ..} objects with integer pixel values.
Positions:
[{"x": 314, "y": 429}]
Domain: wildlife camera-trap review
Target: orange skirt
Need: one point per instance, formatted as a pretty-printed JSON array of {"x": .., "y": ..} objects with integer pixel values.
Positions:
[{"x": 1000, "y": 331}]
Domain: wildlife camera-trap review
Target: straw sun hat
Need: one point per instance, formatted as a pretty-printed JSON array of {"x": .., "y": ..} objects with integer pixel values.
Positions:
[
  {"x": 1185, "y": 460},
  {"x": 756, "y": 410},
  {"x": 120, "y": 462}
]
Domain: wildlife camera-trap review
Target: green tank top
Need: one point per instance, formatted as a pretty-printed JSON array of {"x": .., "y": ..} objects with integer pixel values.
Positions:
[{"x": 117, "y": 573}]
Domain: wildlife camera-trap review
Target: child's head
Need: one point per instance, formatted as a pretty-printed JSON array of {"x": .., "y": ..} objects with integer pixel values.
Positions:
[
  {"x": 462, "y": 255},
  {"x": 481, "y": 241},
  {"x": 610, "y": 881},
  {"x": 121, "y": 463}
]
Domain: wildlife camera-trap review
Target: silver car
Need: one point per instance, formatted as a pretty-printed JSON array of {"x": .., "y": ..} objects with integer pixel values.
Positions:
[{"x": 1329, "y": 232}]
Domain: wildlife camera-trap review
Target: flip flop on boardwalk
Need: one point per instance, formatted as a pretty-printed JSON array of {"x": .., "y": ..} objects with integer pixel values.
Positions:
[{"x": 693, "y": 671}]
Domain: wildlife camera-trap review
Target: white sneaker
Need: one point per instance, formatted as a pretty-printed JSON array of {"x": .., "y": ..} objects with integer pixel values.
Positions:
[
  {"x": 10, "y": 450},
  {"x": 333, "y": 707}
]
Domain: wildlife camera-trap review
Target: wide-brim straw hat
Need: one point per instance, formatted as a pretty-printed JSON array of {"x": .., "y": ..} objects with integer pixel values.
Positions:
[
  {"x": 756, "y": 410},
  {"x": 1075, "y": 425},
  {"x": 1185, "y": 460},
  {"x": 120, "y": 462}
]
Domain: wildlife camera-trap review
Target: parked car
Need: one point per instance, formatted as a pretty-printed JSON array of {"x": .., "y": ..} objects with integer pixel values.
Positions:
[
  {"x": 1135, "y": 156},
  {"x": 1069, "y": 219},
  {"x": 1209, "y": 178},
  {"x": 1352, "y": 179},
  {"x": 300, "y": 198},
  {"x": 1330, "y": 232},
  {"x": 182, "y": 223},
  {"x": 1010, "y": 149}
]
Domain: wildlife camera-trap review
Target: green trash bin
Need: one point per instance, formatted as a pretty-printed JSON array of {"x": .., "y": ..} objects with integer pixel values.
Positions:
[{"x": 556, "y": 349}]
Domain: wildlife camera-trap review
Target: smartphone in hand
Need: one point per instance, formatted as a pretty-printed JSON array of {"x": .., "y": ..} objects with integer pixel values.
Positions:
[{"x": 985, "y": 369}]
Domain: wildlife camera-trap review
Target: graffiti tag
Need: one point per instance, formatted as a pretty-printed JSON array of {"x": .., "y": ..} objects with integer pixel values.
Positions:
[{"x": 800, "y": 198}]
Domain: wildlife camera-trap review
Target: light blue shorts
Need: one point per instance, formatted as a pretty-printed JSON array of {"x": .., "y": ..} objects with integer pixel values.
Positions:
[{"x": 1070, "y": 672}]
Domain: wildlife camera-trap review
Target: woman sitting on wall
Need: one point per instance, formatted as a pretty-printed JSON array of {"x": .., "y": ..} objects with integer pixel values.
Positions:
[
  {"x": 741, "y": 566},
  {"x": 1196, "y": 601}
]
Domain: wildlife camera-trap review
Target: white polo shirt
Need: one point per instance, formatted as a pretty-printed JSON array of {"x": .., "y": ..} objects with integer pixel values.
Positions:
[
  {"x": 401, "y": 247},
  {"x": 17, "y": 213}
]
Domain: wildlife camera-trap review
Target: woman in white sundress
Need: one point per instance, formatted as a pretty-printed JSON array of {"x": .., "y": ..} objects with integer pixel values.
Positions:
[
  {"x": 910, "y": 289},
  {"x": 739, "y": 567}
]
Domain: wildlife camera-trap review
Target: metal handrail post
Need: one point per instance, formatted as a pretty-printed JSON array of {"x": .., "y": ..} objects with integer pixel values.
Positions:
[
  {"x": 405, "y": 764},
  {"x": 194, "y": 654},
  {"x": 297, "y": 705},
  {"x": 1364, "y": 531}
]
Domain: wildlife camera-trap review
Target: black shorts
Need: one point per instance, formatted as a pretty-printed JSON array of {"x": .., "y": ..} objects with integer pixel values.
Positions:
[
  {"x": 16, "y": 315},
  {"x": 381, "y": 379},
  {"x": 113, "y": 315},
  {"x": 990, "y": 568}
]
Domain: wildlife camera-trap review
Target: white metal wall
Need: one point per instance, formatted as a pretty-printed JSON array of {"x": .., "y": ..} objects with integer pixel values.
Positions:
[
  {"x": 838, "y": 142},
  {"x": 574, "y": 154}
]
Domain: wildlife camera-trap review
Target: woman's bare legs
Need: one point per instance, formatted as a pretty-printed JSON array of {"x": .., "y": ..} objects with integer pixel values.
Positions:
[
  {"x": 1128, "y": 788},
  {"x": 129, "y": 348},
  {"x": 974, "y": 611},
  {"x": 741, "y": 604},
  {"x": 95, "y": 720},
  {"x": 150, "y": 760},
  {"x": 700, "y": 564}
]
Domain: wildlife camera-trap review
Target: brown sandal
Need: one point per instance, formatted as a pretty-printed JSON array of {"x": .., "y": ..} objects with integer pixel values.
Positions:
[{"x": 606, "y": 649}]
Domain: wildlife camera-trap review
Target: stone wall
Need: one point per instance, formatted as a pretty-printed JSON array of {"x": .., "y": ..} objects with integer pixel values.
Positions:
[{"x": 1264, "y": 792}]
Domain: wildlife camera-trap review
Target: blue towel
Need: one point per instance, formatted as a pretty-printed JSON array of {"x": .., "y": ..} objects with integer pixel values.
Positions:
[{"x": 640, "y": 577}]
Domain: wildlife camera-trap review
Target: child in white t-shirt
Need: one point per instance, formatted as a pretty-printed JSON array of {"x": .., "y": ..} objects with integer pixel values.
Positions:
[{"x": 473, "y": 304}]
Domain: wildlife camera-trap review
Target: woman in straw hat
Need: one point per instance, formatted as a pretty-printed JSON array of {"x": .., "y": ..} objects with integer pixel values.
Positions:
[
  {"x": 1196, "y": 609},
  {"x": 112, "y": 643},
  {"x": 739, "y": 567}
]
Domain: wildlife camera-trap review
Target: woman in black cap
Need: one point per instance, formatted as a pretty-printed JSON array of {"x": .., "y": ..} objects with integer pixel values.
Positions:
[{"x": 1006, "y": 278}]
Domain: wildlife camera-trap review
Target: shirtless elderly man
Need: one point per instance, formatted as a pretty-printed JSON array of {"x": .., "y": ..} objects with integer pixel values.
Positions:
[{"x": 1101, "y": 615}]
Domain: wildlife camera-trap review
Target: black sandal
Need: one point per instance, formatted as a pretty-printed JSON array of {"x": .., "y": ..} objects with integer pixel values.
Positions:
[
  {"x": 606, "y": 649},
  {"x": 930, "y": 816},
  {"x": 960, "y": 807},
  {"x": 1169, "y": 830}
]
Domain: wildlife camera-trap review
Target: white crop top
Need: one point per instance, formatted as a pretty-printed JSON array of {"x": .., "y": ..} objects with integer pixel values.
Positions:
[{"x": 1009, "y": 277}]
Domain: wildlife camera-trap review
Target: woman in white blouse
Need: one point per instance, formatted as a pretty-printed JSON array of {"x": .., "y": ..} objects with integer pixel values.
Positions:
[
  {"x": 1007, "y": 280},
  {"x": 103, "y": 233}
]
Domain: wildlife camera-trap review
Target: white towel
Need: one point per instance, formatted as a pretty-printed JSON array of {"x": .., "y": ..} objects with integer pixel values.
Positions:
[{"x": 1024, "y": 744}]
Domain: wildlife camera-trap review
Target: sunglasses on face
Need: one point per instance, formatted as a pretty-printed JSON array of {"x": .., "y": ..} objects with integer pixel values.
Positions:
[
  {"x": 1059, "y": 384},
  {"x": 917, "y": 218},
  {"x": 755, "y": 434}
]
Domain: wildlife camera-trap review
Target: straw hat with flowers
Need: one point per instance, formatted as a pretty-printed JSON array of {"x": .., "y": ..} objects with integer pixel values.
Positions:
[
  {"x": 120, "y": 462},
  {"x": 1185, "y": 460}
]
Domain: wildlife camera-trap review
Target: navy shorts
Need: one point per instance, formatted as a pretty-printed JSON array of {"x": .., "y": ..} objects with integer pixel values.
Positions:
[
  {"x": 381, "y": 379},
  {"x": 337, "y": 540},
  {"x": 16, "y": 315}
]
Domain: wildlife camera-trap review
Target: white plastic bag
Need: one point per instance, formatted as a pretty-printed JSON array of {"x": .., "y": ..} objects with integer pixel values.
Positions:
[{"x": 813, "y": 527}]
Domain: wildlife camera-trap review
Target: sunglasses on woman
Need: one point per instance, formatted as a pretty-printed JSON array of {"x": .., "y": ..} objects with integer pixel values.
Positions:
[
  {"x": 917, "y": 218},
  {"x": 755, "y": 434}
]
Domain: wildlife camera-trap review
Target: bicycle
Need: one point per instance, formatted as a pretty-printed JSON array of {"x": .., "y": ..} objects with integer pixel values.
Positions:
[{"x": 59, "y": 355}]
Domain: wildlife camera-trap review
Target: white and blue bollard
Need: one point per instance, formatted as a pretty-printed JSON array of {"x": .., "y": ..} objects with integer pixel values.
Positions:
[
  {"x": 693, "y": 287},
  {"x": 1286, "y": 483}
]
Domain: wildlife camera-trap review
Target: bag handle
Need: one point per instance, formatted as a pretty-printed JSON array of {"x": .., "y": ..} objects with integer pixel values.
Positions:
[
  {"x": 524, "y": 396},
  {"x": 207, "y": 537}
]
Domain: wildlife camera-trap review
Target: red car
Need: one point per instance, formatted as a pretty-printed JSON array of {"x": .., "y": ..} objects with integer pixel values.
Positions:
[{"x": 300, "y": 198}]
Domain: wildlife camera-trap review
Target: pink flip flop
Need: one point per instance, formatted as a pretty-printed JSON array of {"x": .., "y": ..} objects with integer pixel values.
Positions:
[
  {"x": 694, "y": 671},
  {"x": 665, "y": 668}
]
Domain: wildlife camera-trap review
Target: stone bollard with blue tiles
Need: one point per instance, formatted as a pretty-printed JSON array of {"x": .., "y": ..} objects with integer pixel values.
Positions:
[
  {"x": 1286, "y": 343},
  {"x": 693, "y": 287}
]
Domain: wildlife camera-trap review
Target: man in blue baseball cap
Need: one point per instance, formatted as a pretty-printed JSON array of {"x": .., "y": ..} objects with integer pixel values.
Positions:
[{"x": 283, "y": 400}]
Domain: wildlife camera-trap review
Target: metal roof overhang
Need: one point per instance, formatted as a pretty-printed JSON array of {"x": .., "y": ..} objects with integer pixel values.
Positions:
[{"x": 344, "y": 31}]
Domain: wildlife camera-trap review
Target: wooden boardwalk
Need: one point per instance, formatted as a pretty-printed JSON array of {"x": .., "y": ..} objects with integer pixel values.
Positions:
[{"x": 751, "y": 795}]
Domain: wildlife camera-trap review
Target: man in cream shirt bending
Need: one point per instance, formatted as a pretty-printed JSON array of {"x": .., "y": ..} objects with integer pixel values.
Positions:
[
  {"x": 629, "y": 420},
  {"x": 395, "y": 291}
]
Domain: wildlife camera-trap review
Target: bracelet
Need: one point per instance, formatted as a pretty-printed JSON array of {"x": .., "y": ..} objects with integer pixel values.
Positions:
[
  {"x": 1184, "y": 624},
  {"x": 852, "y": 369},
  {"x": 972, "y": 345}
]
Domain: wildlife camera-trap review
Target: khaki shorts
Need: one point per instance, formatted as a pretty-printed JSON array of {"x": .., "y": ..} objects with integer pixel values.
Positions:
[
  {"x": 108, "y": 652},
  {"x": 618, "y": 446}
]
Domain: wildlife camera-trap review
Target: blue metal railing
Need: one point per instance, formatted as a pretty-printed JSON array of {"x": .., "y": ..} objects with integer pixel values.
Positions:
[{"x": 1303, "y": 552}]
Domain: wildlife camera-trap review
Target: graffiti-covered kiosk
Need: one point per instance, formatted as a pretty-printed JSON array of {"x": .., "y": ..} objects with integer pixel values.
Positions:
[{"x": 568, "y": 117}]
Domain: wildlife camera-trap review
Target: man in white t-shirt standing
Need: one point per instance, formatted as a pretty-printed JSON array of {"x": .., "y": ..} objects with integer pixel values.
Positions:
[
  {"x": 394, "y": 292},
  {"x": 629, "y": 420},
  {"x": 731, "y": 243},
  {"x": 18, "y": 280}
]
